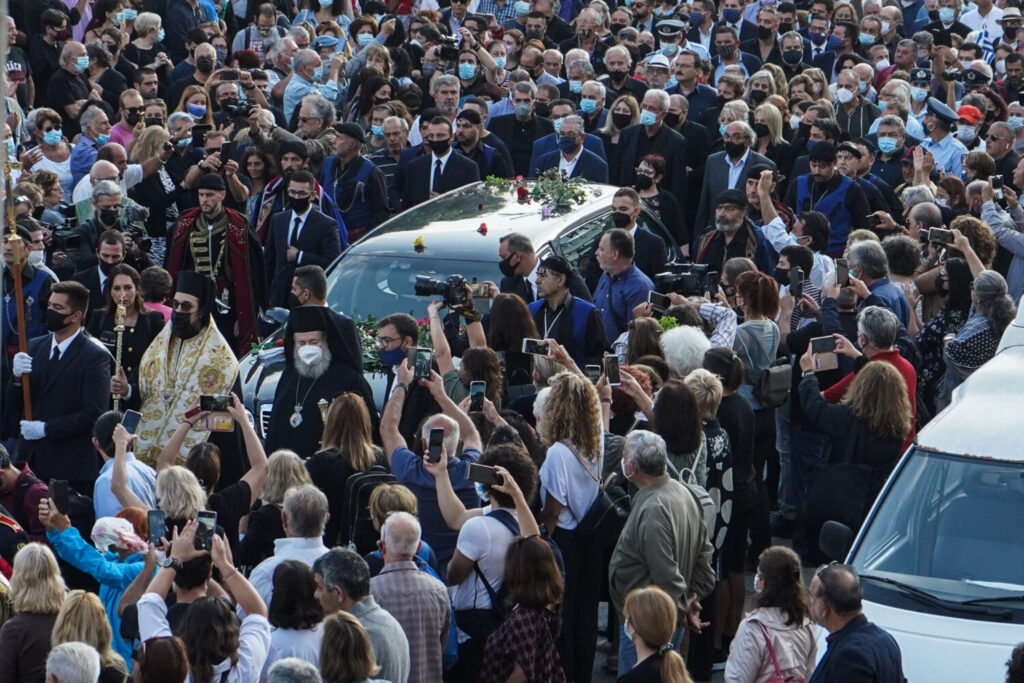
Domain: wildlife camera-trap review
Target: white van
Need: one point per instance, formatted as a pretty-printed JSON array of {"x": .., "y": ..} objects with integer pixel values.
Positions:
[{"x": 941, "y": 553}]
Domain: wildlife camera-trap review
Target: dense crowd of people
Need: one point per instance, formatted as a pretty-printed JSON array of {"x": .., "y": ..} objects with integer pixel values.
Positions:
[{"x": 844, "y": 179}]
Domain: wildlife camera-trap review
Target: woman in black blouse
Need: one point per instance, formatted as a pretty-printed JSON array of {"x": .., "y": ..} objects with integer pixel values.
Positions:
[
  {"x": 649, "y": 174},
  {"x": 141, "y": 325}
]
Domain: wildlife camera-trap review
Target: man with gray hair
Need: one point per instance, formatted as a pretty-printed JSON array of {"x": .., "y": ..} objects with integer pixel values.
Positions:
[
  {"x": 315, "y": 131},
  {"x": 95, "y": 133},
  {"x": 651, "y": 136},
  {"x": 727, "y": 170},
  {"x": 572, "y": 161},
  {"x": 69, "y": 89},
  {"x": 304, "y": 515},
  {"x": 869, "y": 279},
  {"x": 293, "y": 670},
  {"x": 73, "y": 662},
  {"x": 664, "y": 542},
  {"x": 520, "y": 129},
  {"x": 343, "y": 583},
  {"x": 415, "y": 598},
  {"x": 309, "y": 75}
]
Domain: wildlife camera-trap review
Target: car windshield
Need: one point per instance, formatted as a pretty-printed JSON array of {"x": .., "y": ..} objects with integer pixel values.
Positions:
[
  {"x": 363, "y": 285},
  {"x": 945, "y": 526}
]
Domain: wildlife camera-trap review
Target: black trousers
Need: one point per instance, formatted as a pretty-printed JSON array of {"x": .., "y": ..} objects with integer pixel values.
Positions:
[{"x": 577, "y": 644}]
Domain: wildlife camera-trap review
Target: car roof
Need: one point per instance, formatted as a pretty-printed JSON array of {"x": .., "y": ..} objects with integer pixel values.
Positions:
[
  {"x": 450, "y": 224},
  {"x": 983, "y": 419}
]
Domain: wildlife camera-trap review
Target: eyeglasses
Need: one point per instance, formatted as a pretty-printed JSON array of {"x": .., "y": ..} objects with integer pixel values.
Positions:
[
  {"x": 992, "y": 137},
  {"x": 383, "y": 341},
  {"x": 823, "y": 568},
  {"x": 52, "y": 127},
  {"x": 183, "y": 306}
]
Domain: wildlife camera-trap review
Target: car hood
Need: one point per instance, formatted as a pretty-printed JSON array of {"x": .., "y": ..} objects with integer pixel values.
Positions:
[{"x": 941, "y": 649}]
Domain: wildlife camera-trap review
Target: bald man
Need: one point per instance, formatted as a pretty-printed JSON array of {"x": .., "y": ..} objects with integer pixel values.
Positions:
[{"x": 112, "y": 164}]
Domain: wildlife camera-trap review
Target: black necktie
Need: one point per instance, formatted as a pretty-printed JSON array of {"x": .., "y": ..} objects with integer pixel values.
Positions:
[
  {"x": 294, "y": 241},
  {"x": 437, "y": 176},
  {"x": 56, "y": 354}
]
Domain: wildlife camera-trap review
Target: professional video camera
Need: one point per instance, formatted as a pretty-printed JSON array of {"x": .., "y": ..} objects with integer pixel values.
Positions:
[
  {"x": 66, "y": 240},
  {"x": 135, "y": 217},
  {"x": 449, "y": 51},
  {"x": 453, "y": 290},
  {"x": 687, "y": 279},
  {"x": 242, "y": 109}
]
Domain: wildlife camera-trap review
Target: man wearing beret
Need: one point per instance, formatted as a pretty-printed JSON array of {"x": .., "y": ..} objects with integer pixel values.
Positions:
[
  {"x": 358, "y": 188},
  {"x": 217, "y": 242}
]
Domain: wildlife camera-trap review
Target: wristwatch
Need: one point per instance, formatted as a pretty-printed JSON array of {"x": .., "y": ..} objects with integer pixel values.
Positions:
[{"x": 172, "y": 563}]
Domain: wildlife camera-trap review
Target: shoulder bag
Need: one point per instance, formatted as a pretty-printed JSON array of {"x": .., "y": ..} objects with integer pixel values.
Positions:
[
  {"x": 773, "y": 385},
  {"x": 606, "y": 516},
  {"x": 777, "y": 678}
]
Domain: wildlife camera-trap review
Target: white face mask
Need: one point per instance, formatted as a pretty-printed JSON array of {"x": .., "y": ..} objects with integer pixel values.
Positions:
[
  {"x": 794, "y": 121},
  {"x": 882, "y": 63},
  {"x": 310, "y": 354},
  {"x": 844, "y": 96},
  {"x": 36, "y": 258},
  {"x": 966, "y": 133}
]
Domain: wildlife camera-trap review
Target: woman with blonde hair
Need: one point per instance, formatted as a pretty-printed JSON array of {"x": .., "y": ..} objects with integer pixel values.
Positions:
[
  {"x": 37, "y": 591},
  {"x": 650, "y": 622},
  {"x": 623, "y": 113},
  {"x": 158, "y": 191},
  {"x": 285, "y": 470},
  {"x": 195, "y": 102},
  {"x": 82, "y": 619},
  {"x": 179, "y": 494},
  {"x": 770, "y": 142},
  {"x": 345, "y": 654},
  {"x": 346, "y": 448},
  {"x": 570, "y": 480}
]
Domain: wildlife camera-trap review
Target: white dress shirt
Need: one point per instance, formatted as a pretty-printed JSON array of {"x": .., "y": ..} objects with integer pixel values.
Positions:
[{"x": 736, "y": 170}]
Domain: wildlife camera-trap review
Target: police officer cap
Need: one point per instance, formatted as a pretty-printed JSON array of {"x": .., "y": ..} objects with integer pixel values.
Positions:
[
  {"x": 211, "y": 181},
  {"x": 670, "y": 28},
  {"x": 920, "y": 76},
  {"x": 940, "y": 111},
  {"x": 974, "y": 77}
]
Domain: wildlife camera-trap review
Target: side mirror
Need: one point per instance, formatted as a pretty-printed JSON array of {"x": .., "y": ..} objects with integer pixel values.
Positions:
[{"x": 835, "y": 540}]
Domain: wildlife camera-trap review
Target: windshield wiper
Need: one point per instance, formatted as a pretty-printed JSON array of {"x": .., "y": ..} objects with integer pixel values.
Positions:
[
  {"x": 1000, "y": 598},
  {"x": 930, "y": 599}
]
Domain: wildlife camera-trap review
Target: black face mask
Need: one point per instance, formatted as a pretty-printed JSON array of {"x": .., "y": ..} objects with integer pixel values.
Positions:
[
  {"x": 299, "y": 205},
  {"x": 804, "y": 130},
  {"x": 758, "y": 96},
  {"x": 762, "y": 130},
  {"x": 542, "y": 109},
  {"x": 785, "y": 27},
  {"x": 615, "y": 28},
  {"x": 622, "y": 120},
  {"x": 106, "y": 267},
  {"x": 735, "y": 149},
  {"x": 672, "y": 119},
  {"x": 132, "y": 119},
  {"x": 293, "y": 301},
  {"x": 204, "y": 65},
  {"x": 933, "y": 15},
  {"x": 154, "y": 122},
  {"x": 764, "y": 33},
  {"x": 621, "y": 220},
  {"x": 440, "y": 147},
  {"x": 720, "y": 101},
  {"x": 506, "y": 267},
  {"x": 792, "y": 57},
  {"x": 642, "y": 182},
  {"x": 181, "y": 325},
  {"x": 108, "y": 216},
  {"x": 55, "y": 320},
  {"x": 727, "y": 51},
  {"x": 781, "y": 275},
  {"x": 535, "y": 35},
  {"x": 617, "y": 75},
  {"x": 228, "y": 102}
]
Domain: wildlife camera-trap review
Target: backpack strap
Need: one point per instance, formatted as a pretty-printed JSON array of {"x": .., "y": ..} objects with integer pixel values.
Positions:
[
  {"x": 506, "y": 518},
  {"x": 771, "y": 650}
]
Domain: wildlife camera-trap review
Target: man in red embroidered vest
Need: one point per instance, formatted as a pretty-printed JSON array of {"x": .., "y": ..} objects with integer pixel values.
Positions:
[{"x": 217, "y": 242}]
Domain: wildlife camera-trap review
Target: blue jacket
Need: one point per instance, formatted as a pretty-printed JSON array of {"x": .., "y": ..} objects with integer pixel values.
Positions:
[
  {"x": 860, "y": 651},
  {"x": 113, "y": 575},
  {"x": 589, "y": 166},
  {"x": 549, "y": 143}
]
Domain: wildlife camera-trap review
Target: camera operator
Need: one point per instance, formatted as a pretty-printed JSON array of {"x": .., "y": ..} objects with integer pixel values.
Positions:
[
  {"x": 126, "y": 175},
  {"x": 575, "y": 324}
]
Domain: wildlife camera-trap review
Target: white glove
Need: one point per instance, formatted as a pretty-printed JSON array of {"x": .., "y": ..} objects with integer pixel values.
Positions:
[
  {"x": 33, "y": 429},
  {"x": 22, "y": 364}
]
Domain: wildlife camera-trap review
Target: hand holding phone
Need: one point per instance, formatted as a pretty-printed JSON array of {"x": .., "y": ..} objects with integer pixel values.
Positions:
[
  {"x": 421, "y": 366},
  {"x": 157, "y": 522},
  {"x": 484, "y": 474},
  {"x": 207, "y": 527},
  {"x": 477, "y": 391},
  {"x": 60, "y": 495},
  {"x": 434, "y": 445},
  {"x": 131, "y": 421},
  {"x": 538, "y": 347},
  {"x": 611, "y": 369}
]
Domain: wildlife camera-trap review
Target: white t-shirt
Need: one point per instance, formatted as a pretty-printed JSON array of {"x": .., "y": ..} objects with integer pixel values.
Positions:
[
  {"x": 483, "y": 540},
  {"x": 563, "y": 477}
]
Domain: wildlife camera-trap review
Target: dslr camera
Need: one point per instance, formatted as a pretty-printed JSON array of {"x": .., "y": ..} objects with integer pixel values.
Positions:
[
  {"x": 242, "y": 109},
  {"x": 452, "y": 290},
  {"x": 682, "y": 278},
  {"x": 449, "y": 50},
  {"x": 135, "y": 217}
]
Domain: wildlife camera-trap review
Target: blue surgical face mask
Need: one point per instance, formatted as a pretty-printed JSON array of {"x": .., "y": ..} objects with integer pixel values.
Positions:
[
  {"x": 669, "y": 50},
  {"x": 863, "y": 87},
  {"x": 160, "y": 35},
  {"x": 867, "y": 39},
  {"x": 392, "y": 357},
  {"x": 117, "y": 19},
  {"x": 428, "y": 69},
  {"x": 648, "y": 118},
  {"x": 500, "y": 62},
  {"x": 521, "y": 8},
  {"x": 480, "y": 492},
  {"x": 731, "y": 15},
  {"x": 946, "y": 15},
  {"x": 721, "y": 128},
  {"x": 1016, "y": 121},
  {"x": 82, "y": 63},
  {"x": 364, "y": 39},
  {"x": 588, "y": 106},
  {"x": 378, "y": 131},
  {"x": 318, "y": 73},
  {"x": 326, "y": 3},
  {"x": 919, "y": 94},
  {"x": 11, "y": 147},
  {"x": 887, "y": 145},
  {"x": 52, "y": 137},
  {"x": 196, "y": 111},
  {"x": 575, "y": 87},
  {"x": 467, "y": 70},
  {"x": 102, "y": 139},
  {"x": 558, "y": 125},
  {"x": 185, "y": 142},
  {"x": 130, "y": 14},
  {"x": 834, "y": 42}
]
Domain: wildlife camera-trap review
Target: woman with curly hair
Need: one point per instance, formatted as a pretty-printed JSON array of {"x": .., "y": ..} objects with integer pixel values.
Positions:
[
  {"x": 953, "y": 283},
  {"x": 781, "y": 617},
  {"x": 570, "y": 481}
]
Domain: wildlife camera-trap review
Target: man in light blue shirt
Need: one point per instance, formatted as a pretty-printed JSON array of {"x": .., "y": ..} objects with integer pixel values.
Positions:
[
  {"x": 947, "y": 151},
  {"x": 141, "y": 477},
  {"x": 623, "y": 286},
  {"x": 307, "y": 72},
  {"x": 95, "y": 134}
]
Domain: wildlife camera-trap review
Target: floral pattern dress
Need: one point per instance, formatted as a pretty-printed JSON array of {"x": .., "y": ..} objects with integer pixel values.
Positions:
[
  {"x": 720, "y": 484},
  {"x": 929, "y": 343}
]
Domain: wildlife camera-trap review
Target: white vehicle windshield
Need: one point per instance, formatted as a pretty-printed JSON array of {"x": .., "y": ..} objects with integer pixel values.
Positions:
[{"x": 947, "y": 526}]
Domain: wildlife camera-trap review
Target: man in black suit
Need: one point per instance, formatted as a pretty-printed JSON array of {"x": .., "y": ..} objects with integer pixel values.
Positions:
[
  {"x": 301, "y": 236},
  {"x": 651, "y": 136},
  {"x": 696, "y": 142},
  {"x": 649, "y": 251},
  {"x": 70, "y": 380},
  {"x": 518, "y": 266},
  {"x": 429, "y": 176},
  {"x": 110, "y": 251},
  {"x": 520, "y": 129},
  {"x": 728, "y": 45},
  {"x": 766, "y": 45},
  {"x": 571, "y": 159}
]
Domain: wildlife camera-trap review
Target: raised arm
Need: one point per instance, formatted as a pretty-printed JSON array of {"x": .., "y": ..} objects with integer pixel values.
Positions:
[
  {"x": 169, "y": 455},
  {"x": 453, "y": 511},
  {"x": 470, "y": 436},
  {"x": 254, "y": 451},
  {"x": 390, "y": 437},
  {"x": 119, "y": 476},
  {"x": 442, "y": 352}
]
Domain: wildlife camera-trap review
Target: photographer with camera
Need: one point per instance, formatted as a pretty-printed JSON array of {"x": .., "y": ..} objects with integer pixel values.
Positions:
[{"x": 215, "y": 145}]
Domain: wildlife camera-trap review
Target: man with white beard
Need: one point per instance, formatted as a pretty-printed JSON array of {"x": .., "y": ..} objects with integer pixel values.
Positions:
[
  {"x": 733, "y": 236},
  {"x": 317, "y": 368}
]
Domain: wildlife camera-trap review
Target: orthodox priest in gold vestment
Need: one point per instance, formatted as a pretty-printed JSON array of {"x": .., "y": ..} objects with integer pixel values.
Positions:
[{"x": 188, "y": 358}]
